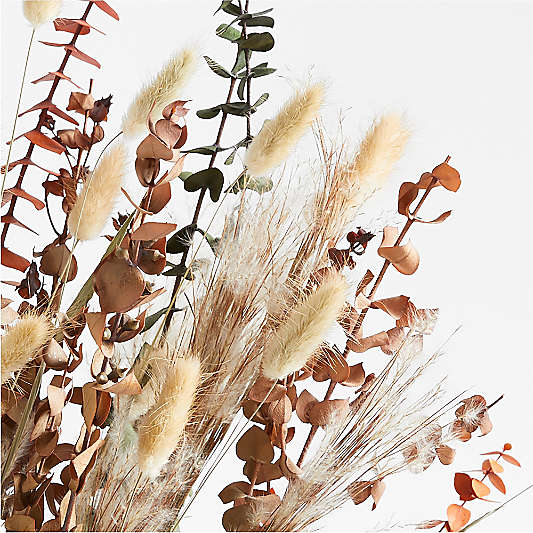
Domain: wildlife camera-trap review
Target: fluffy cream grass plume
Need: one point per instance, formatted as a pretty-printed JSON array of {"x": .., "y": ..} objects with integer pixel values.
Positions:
[
  {"x": 304, "y": 329},
  {"x": 23, "y": 341},
  {"x": 37, "y": 12},
  {"x": 162, "y": 427},
  {"x": 164, "y": 88},
  {"x": 95, "y": 203},
  {"x": 380, "y": 150},
  {"x": 278, "y": 136}
]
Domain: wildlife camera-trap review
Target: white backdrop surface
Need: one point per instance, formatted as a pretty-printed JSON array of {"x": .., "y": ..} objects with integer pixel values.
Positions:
[{"x": 461, "y": 72}]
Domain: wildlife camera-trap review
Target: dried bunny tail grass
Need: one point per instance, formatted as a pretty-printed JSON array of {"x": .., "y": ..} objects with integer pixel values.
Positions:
[
  {"x": 97, "y": 198},
  {"x": 278, "y": 136},
  {"x": 23, "y": 341},
  {"x": 38, "y": 12},
  {"x": 304, "y": 329},
  {"x": 164, "y": 88},
  {"x": 380, "y": 150},
  {"x": 162, "y": 427}
]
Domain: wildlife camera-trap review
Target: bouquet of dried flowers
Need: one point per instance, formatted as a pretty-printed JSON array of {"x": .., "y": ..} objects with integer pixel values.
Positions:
[{"x": 226, "y": 354}]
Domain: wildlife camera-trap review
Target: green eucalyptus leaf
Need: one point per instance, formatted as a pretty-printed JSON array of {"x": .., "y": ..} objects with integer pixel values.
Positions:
[
  {"x": 152, "y": 319},
  {"x": 204, "y": 150},
  {"x": 210, "y": 178},
  {"x": 258, "y": 72},
  {"x": 261, "y": 100},
  {"x": 258, "y": 42},
  {"x": 229, "y": 160},
  {"x": 216, "y": 68},
  {"x": 179, "y": 271},
  {"x": 227, "y": 32},
  {"x": 259, "y": 184},
  {"x": 259, "y": 21},
  {"x": 211, "y": 112},
  {"x": 183, "y": 176},
  {"x": 236, "y": 108},
  {"x": 228, "y": 7},
  {"x": 240, "y": 62},
  {"x": 240, "y": 88},
  {"x": 181, "y": 241}
]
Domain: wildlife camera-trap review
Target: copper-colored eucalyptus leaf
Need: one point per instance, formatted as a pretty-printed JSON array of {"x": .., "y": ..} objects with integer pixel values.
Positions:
[
  {"x": 265, "y": 390},
  {"x": 255, "y": 444},
  {"x": 326, "y": 411},
  {"x": 458, "y": 517},
  {"x": 403, "y": 258},
  {"x": 306, "y": 401}
]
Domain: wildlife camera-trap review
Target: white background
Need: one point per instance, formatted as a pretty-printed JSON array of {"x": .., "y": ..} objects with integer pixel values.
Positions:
[{"x": 461, "y": 73}]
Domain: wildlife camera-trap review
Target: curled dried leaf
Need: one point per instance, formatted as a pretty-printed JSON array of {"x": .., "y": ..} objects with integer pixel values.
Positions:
[
  {"x": 404, "y": 258},
  {"x": 255, "y": 444}
]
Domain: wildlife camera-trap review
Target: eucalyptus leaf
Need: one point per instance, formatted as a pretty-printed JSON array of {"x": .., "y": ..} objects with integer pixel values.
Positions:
[
  {"x": 258, "y": 42},
  {"x": 210, "y": 178},
  {"x": 240, "y": 88},
  {"x": 259, "y": 184},
  {"x": 261, "y": 100},
  {"x": 211, "y": 112},
  {"x": 152, "y": 319},
  {"x": 228, "y": 7},
  {"x": 259, "y": 21},
  {"x": 184, "y": 175},
  {"x": 212, "y": 241},
  {"x": 179, "y": 271},
  {"x": 229, "y": 160},
  {"x": 258, "y": 72},
  {"x": 180, "y": 242},
  {"x": 227, "y": 32},
  {"x": 236, "y": 108},
  {"x": 240, "y": 62},
  {"x": 204, "y": 150},
  {"x": 216, "y": 68}
]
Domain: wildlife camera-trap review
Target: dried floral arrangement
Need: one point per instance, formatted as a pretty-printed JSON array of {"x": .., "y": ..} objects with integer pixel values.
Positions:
[{"x": 224, "y": 359}]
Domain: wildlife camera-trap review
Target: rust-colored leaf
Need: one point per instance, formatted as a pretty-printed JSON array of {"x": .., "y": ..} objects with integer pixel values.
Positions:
[
  {"x": 326, "y": 411},
  {"x": 63, "y": 507},
  {"x": 255, "y": 444},
  {"x": 265, "y": 390},
  {"x": 491, "y": 465},
  {"x": 233, "y": 491},
  {"x": 362, "y": 345},
  {"x": 356, "y": 377},
  {"x": 509, "y": 459},
  {"x": 161, "y": 195},
  {"x": 81, "y": 461},
  {"x": 377, "y": 490},
  {"x": 446, "y": 454},
  {"x": 81, "y": 55},
  {"x": 20, "y": 522},
  {"x": 52, "y": 75},
  {"x": 279, "y": 411},
  {"x": 458, "y": 517},
  {"x": 13, "y": 260},
  {"x": 306, "y": 401},
  {"x": 480, "y": 489},
  {"x": 10, "y": 219},
  {"x": 103, "y": 409},
  {"x": 56, "y": 399},
  {"x": 463, "y": 486},
  {"x": 266, "y": 472},
  {"x": 289, "y": 469},
  {"x": 152, "y": 231},
  {"x": 40, "y": 139},
  {"x": 448, "y": 176},
  {"x": 497, "y": 481},
  {"x": 15, "y": 191},
  {"x": 359, "y": 491},
  {"x": 46, "y": 442},
  {"x": 403, "y": 258},
  {"x": 106, "y": 8},
  {"x": 96, "y": 324},
  {"x": 128, "y": 385},
  {"x": 88, "y": 408},
  {"x": 396, "y": 307},
  {"x": 406, "y": 196}
]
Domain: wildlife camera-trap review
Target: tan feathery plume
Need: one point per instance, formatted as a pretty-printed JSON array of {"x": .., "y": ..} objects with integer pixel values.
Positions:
[
  {"x": 97, "y": 198},
  {"x": 37, "y": 12},
  {"x": 379, "y": 151},
  {"x": 162, "y": 427},
  {"x": 23, "y": 341},
  {"x": 278, "y": 136},
  {"x": 164, "y": 88},
  {"x": 304, "y": 329}
]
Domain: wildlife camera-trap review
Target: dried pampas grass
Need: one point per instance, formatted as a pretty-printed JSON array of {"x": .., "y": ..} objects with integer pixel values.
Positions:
[
  {"x": 23, "y": 342},
  {"x": 304, "y": 328},
  {"x": 95, "y": 202},
  {"x": 162, "y": 427},
  {"x": 38, "y": 12},
  {"x": 278, "y": 136},
  {"x": 164, "y": 88}
]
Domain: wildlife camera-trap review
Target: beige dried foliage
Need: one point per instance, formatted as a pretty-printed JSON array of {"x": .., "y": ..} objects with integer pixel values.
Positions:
[
  {"x": 23, "y": 341},
  {"x": 38, "y": 12},
  {"x": 278, "y": 136},
  {"x": 161, "y": 429},
  {"x": 96, "y": 200},
  {"x": 165, "y": 87},
  {"x": 304, "y": 328}
]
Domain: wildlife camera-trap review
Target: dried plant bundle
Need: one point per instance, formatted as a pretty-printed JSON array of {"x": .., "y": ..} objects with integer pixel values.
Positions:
[
  {"x": 161, "y": 429},
  {"x": 278, "y": 136},
  {"x": 38, "y": 12},
  {"x": 23, "y": 341},
  {"x": 304, "y": 328},
  {"x": 96, "y": 200},
  {"x": 164, "y": 88}
]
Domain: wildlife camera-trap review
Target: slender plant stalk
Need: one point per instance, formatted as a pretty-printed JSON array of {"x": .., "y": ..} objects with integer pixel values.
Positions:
[
  {"x": 359, "y": 323},
  {"x": 6, "y": 168}
]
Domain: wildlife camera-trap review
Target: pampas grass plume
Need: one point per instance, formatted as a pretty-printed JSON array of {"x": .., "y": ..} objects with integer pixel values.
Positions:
[
  {"x": 37, "y": 12},
  {"x": 278, "y": 136},
  {"x": 162, "y": 90},
  {"x": 304, "y": 329},
  {"x": 161, "y": 429},
  {"x": 97, "y": 198},
  {"x": 23, "y": 341}
]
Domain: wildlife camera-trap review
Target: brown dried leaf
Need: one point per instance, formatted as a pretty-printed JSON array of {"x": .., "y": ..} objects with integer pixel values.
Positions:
[
  {"x": 359, "y": 491},
  {"x": 445, "y": 454},
  {"x": 448, "y": 176},
  {"x": 96, "y": 323},
  {"x": 377, "y": 490},
  {"x": 161, "y": 195},
  {"x": 458, "y": 517},
  {"x": 40, "y": 139},
  {"x": 56, "y": 260},
  {"x": 255, "y": 444},
  {"x": 306, "y": 401},
  {"x": 266, "y": 390},
  {"x": 13, "y": 260},
  {"x": 509, "y": 459},
  {"x": 497, "y": 481},
  {"x": 152, "y": 231},
  {"x": 46, "y": 442},
  {"x": 266, "y": 472},
  {"x": 56, "y": 399},
  {"x": 63, "y": 507},
  {"x": 356, "y": 377},
  {"x": 404, "y": 258},
  {"x": 362, "y": 345},
  {"x": 397, "y": 306},
  {"x": 128, "y": 385},
  {"x": 279, "y": 411},
  {"x": 480, "y": 489},
  {"x": 81, "y": 461},
  {"x": 20, "y": 522},
  {"x": 288, "y": 468},
  {"x": 463, "y": 486},
  {"x": 88, "y": 408},
  {"x": 233, "y": 491},
  {"x": 323, "y": 413},
  {"x": 80, "y": 102}
]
